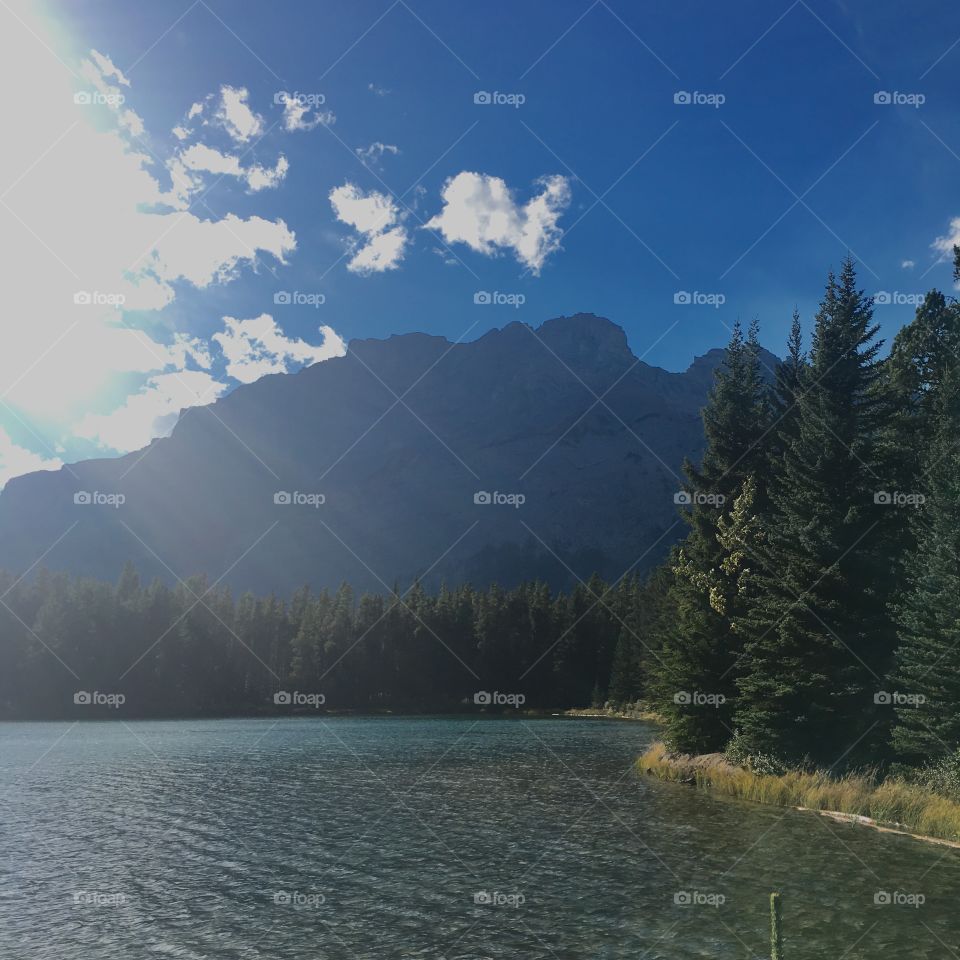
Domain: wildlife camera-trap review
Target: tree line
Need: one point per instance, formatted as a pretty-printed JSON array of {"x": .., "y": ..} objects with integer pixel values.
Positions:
[{"x": 75, "y": 647}]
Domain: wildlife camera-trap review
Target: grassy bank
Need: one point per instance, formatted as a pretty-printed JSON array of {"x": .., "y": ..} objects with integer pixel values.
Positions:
[
  {"x": 890, "y": 803},
  {"x": 634, "y": 711}
]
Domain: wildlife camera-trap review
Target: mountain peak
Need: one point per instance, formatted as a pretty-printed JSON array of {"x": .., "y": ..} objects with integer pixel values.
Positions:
[{"x": 587, "y": 339}]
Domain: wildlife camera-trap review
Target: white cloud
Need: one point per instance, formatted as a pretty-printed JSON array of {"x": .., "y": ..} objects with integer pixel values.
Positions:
[
  {"x": 297, "y": 116},
  {"x": 235, "y": 115},
  {"x": 203, "y": 158},
  {"x": 210, "y": 251},
  {"x": 98, "y": 71},
  {"x": 376, "y": 218},
  {"x": 480, "y": 211},
  {"x": 944, "y": 245},
  {"x": 374, "y": 153},
  {"x": 907, "y": 265},
  {"x": 383, "y": 251},
  {"x": 369, "y": 213},
  {"x": 264, "y": 178},
  {"x": 15, "y": 460},
  {"x": 379, "y": 91},
  {"x": 152, "y": 412},
  {"x": 107, "y": 68},
  {"x": 256, "y": 347}
]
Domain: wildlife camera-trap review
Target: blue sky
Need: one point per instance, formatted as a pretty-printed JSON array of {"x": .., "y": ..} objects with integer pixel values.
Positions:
[{"x": 586, "y": 188}]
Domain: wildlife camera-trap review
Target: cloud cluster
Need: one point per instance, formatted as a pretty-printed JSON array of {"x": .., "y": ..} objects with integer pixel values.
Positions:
[
  {"x": 373, "y": 154},
  {"x": 378, "y": 221},
  {"x": 228, "y": 112},
  {"x": 480, "y": 211},
  {"x": 255, "y": 347},
  {"x": 202, "y": 158},
  {"x": 236, "y": 117},
  {"x": 84, "y": 166},
  {"x": 297, "y": 115}
]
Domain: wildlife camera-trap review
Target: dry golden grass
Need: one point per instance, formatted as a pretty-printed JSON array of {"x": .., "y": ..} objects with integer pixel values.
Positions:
[{"x": 892, "y": 802}]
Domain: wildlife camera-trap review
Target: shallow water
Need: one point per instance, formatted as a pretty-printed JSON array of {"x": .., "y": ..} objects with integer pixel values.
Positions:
[{"x": 375, "y": 838}]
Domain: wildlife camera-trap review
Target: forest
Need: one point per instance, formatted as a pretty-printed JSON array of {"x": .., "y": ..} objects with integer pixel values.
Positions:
[
  {"x": 810, "y": 615},
  {"x": 192, "y": 650}
]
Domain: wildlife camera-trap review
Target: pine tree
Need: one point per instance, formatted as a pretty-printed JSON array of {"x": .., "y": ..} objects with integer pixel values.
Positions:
[
  {"x": 922, "y": 351},
  {"x": 695, "y": 668},
  {"x": 928, "y": 659},
  {"x": 817, "y": 635}
]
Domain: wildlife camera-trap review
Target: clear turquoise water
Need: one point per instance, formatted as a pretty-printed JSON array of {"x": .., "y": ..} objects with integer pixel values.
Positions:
[{"x": 370, "y": 838}]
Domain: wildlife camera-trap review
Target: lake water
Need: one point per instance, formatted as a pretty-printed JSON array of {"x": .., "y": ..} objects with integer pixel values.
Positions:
[{"x": 434, "y": 838}]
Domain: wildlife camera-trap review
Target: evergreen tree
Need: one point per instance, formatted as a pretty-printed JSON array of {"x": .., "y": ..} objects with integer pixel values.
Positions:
[
  {"x": 817, "y": 637},
  {"x": 695, "y": 668},
  {"x": 928, "y": 659}
]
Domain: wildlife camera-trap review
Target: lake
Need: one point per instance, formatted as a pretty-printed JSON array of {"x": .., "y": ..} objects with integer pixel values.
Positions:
[{"x": 425, "y": 837}]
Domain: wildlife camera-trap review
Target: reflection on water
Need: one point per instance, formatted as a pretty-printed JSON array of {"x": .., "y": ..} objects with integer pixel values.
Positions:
[{"x": 455, "y": 838}]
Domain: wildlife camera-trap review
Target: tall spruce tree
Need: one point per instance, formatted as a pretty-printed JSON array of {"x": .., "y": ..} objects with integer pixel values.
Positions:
[
  {"x": 817, "y": 637},
  {"x": 928, "y": 616},
  {"x": 694, "y": 669}
]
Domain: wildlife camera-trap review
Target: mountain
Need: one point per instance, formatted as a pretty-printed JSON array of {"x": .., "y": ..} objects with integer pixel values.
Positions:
[{"x": 382, "y": 455}]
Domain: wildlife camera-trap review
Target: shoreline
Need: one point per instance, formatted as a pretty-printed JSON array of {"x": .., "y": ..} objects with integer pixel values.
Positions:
[
  {"x": 481, "y": 714},
  {"x": 923, "y": 814},
  {"x": 611, "y": 713}
]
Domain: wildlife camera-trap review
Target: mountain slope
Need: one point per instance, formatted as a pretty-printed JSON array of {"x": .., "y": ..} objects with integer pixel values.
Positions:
[{"x": 397, "y": 437}]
